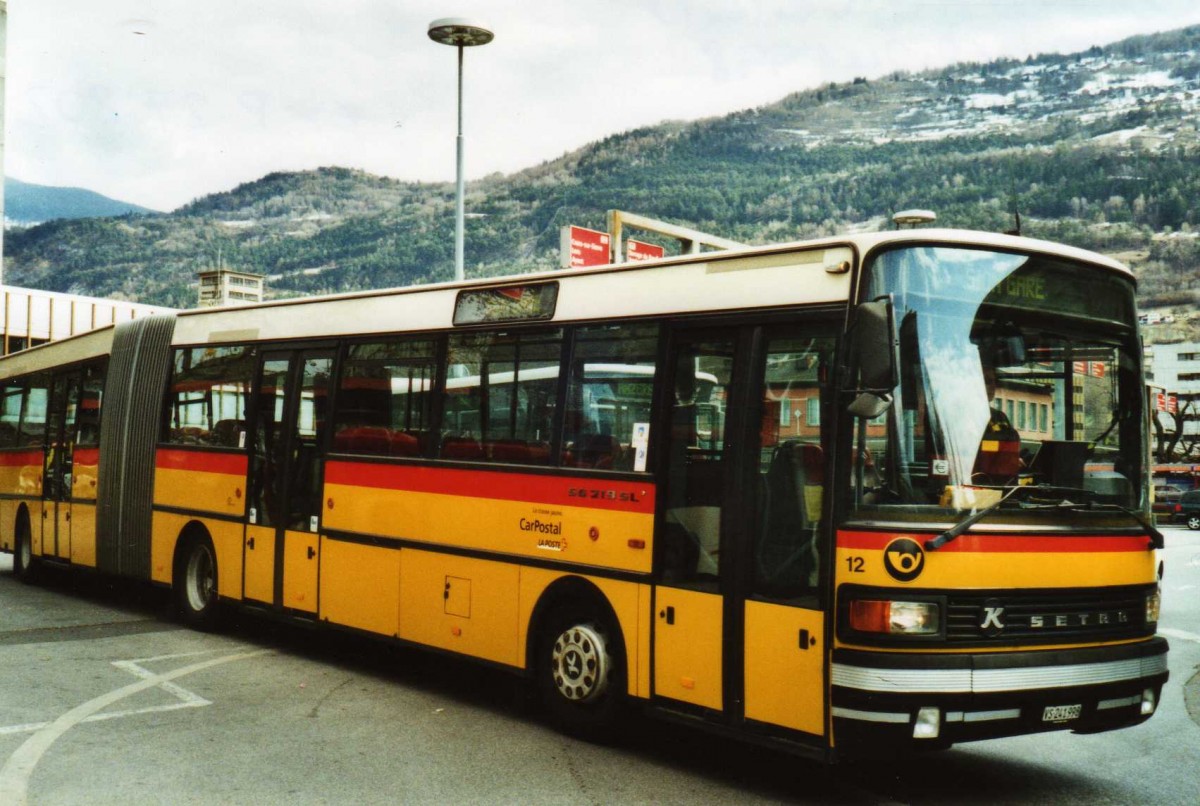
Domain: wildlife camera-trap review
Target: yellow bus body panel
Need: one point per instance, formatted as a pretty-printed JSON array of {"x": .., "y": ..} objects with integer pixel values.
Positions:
[
  {"x": 83, "y": 534},
  {"x": 227, "y": 545},
  {"x": 259, "y": 575},
  {"x": 220, "y": 493},
  {"x": 461, "y": 604},
  {"x": 360, "y": 586},
  {"x": 785, "y": 683},
  {"x": 688, "y": 653},
  {"x": 300, "y": 571},
  {"x": 601, "y": 523}
]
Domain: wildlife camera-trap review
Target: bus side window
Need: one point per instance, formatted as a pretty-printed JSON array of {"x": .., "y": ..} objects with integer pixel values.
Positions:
[
  {"x": 10, "y": 413},
  {"x": 501, "y": 396},
  {"x": 33, "y": 411},
  {"x": 206, "y": 400},
  {"x": 87, "y": 421},
  {"x": 609, "y": 393},
  {"x": 385, "y": 398}
]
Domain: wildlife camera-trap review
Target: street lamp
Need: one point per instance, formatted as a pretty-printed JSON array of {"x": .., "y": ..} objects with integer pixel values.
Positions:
[{"x": 461, "y": 33}]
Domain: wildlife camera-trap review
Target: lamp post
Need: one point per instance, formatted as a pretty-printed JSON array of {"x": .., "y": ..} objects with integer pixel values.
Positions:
[{"x": 461, "y": 33}]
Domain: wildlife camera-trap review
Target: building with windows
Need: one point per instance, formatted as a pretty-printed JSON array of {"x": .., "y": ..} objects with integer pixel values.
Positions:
[
  {"x": 1175, "y": 368},
  {"x": 221, "y": 287},
  {"x": 29, "y": 317}
]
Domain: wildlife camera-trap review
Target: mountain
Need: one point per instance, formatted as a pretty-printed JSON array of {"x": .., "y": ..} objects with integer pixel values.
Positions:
[
  {"x": 1098, "y": 149},
  {"x": 27, "y": 204}
]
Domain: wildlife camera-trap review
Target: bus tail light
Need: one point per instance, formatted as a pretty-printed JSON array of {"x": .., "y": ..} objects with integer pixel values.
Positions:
[{"x": 895, "y": 618}]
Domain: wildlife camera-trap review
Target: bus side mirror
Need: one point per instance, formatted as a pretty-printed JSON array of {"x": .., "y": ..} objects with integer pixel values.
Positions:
[{"x": 873, "y": 357}]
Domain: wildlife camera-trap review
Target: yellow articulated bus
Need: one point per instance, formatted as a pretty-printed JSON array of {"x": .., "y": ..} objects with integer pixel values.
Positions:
[{"x": 867, "y": 493}]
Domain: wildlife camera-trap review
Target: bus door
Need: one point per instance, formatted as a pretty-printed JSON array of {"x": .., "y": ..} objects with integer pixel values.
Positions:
[
  {"x": 283, "y": 520},
  {"x": 739, "y": 622},
  {"x": 57, "y": 466}
]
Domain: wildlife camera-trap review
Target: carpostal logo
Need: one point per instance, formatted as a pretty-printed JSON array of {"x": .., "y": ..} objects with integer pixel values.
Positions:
[
  {"x": 904, "y": 559},
  {"x": 549, "y": 533},
  {"x": 540, "y": 526}
]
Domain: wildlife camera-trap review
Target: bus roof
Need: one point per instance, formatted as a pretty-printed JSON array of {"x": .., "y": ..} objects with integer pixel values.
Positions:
[
  {"x": 757, "y": 277},
  {"x": 762, "y": 277}
]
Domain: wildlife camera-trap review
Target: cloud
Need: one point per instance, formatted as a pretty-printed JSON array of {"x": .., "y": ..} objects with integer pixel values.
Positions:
[{"x": 161, "y": 101}]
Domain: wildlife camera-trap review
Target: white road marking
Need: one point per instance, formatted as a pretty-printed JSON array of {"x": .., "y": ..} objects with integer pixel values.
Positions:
[
  {"x": 15, "y": 775},
  {"x": 187, "y": 699}
]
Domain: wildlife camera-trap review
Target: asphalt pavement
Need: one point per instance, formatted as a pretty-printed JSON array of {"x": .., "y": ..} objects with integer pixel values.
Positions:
[{"x": 104, "y": 698}]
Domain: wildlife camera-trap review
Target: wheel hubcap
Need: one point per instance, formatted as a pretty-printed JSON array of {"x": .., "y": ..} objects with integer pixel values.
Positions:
[
  {"x": 26, "y": 552},
  {"x": 200, "y": 578},
  {"x": 579, "y": 662}
]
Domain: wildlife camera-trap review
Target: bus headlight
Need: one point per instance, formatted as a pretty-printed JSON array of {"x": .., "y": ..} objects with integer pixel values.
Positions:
[
  {"x": 1153, "y": 603},
  {"x": 895, "y": 618}
]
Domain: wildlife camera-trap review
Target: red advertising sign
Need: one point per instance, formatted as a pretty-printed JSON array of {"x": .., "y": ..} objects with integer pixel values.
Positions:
[
  {"x": 638, "y": 250},
  {"x": 583, "y": 247},
  {"x": 1080, "y": 367},
  {"x": 1160, "y": 401},
  {"x": 1172, "y": 404},
  {"x": 1097, "y": 368}
]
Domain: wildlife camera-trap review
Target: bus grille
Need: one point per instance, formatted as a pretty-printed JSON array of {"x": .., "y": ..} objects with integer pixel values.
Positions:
[{"x": 1033, "y": 617}]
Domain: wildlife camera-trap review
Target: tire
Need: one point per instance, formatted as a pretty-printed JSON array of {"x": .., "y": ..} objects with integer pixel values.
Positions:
[
  {"x": 196, "y": 584},
  {"x": 1193, "y": 522},
  {"x": 580, "y": 672},
  {"x": 25, "y": 565}
]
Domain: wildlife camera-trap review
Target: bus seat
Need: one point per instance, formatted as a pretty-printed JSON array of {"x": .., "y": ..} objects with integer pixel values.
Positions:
[
  {"x": 681, "y": 552},
  {"x": 371, "y": 440},
  {"x": 595, "y": 450},
  {"x": 809, "y": 478},
  {"x": 786, "y": 552},
  {"x": 402, "y": 443},
  {"x": 225, "y": 433},
  {"x": 518, "y": 451},
  {"x": 192, "y": 435},
  {"x": 705, "y": 481},
  {"x": 464, "y": 448}
]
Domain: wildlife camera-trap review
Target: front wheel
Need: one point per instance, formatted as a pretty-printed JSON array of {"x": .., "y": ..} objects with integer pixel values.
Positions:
[
  {"x": 579, "y": 673},
  {"x": 1193, "y": 522},
  {"x": 196, "y": 584}
]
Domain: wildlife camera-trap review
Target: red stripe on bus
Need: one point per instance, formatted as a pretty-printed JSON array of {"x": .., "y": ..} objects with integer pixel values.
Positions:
[
  {"x": 622, "y": 496},
  {"x": 87, "y": 456},
  {"x": 20, "y": 458},
  {"x": 232, "y": 464},
  {"x": 1001, "y": 543}
]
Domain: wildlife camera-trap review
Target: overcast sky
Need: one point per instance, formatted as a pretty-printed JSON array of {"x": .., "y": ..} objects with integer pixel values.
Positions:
[{"x": 159, "y": 102}]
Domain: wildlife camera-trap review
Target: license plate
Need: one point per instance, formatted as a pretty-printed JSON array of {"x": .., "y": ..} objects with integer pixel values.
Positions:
[{"x": 1061, "y": 713}]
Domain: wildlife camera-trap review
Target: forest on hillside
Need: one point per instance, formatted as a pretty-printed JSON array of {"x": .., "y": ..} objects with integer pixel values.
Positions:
[{"x": 1097, "y": 149}]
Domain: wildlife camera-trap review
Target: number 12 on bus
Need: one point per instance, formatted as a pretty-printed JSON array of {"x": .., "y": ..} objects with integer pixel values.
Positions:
[{"x": 841, "y": 496}]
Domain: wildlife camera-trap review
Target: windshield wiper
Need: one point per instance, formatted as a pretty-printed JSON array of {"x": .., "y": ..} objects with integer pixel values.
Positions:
[
  {"x": 1157, "y": 540},
  {"x": 935, "y": 543}
]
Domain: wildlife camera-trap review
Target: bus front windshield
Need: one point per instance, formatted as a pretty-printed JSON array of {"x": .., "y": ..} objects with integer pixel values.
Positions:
[{"x": 1019, "y": 385}]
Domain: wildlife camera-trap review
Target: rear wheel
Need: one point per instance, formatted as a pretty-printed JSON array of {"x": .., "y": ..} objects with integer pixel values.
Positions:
[
  {"x": 579, "y": 677},
  {"x": 1193, "y": 521},
  {"x": 24, "y": 564},
  {"x": 196, "y": 584}
]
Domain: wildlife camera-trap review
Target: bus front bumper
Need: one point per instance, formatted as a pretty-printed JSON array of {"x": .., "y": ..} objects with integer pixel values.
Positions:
[{"x": 886, "y": 700}]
